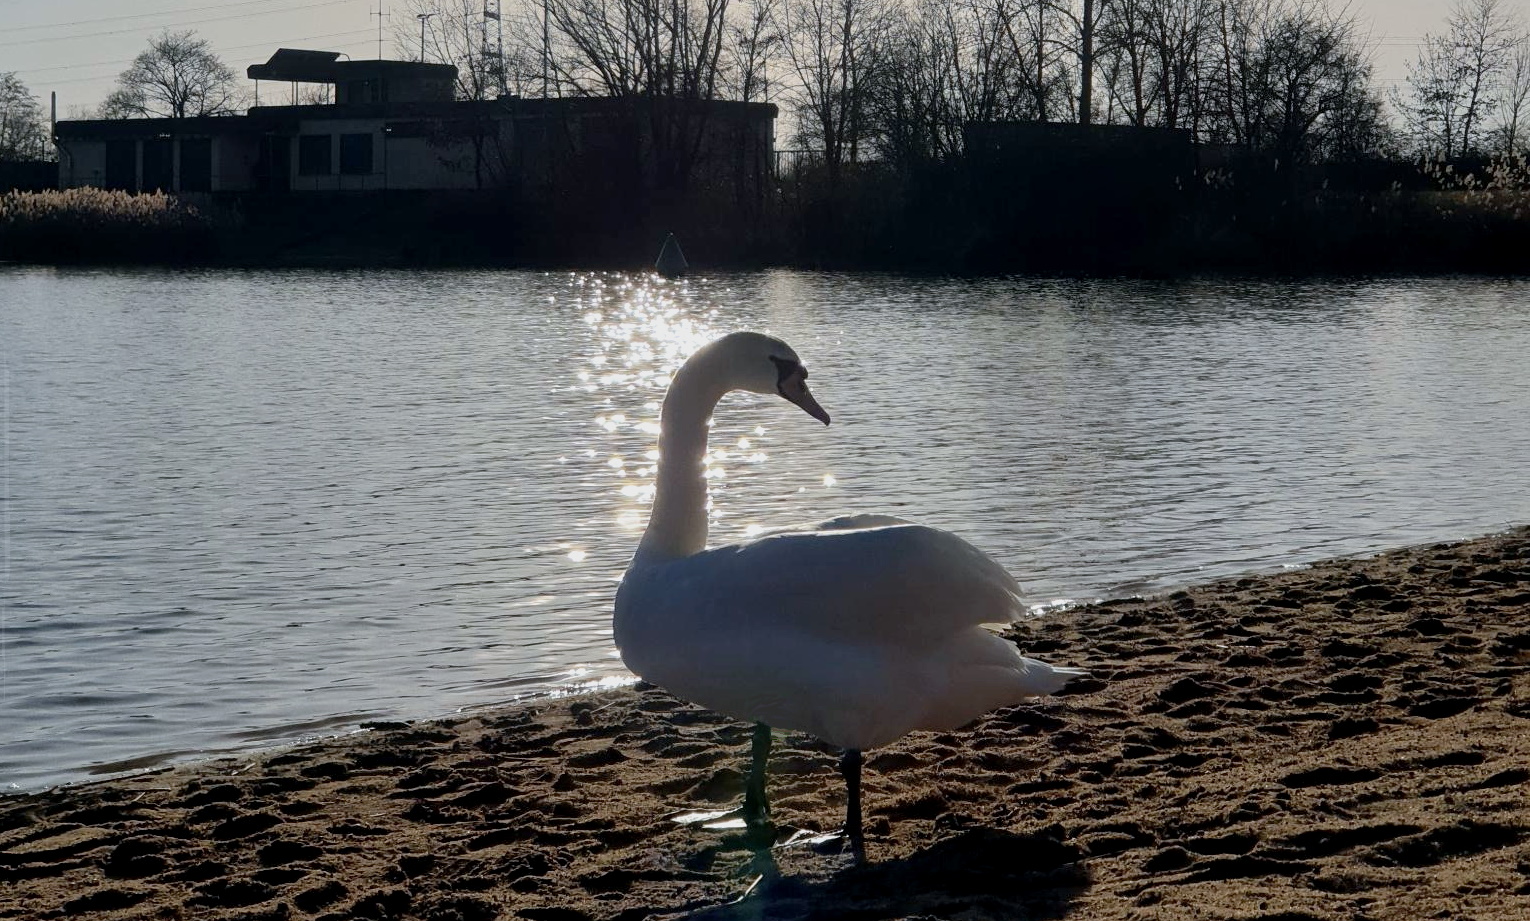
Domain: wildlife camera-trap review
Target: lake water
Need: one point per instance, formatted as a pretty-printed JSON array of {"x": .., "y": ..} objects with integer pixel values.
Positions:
[{"x": 240, "y": 508}]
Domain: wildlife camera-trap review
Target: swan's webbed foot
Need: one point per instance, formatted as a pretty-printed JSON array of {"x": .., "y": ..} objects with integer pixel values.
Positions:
[
  {"x": 751, "y": 821},
  {"x": 759, "y": 836}
]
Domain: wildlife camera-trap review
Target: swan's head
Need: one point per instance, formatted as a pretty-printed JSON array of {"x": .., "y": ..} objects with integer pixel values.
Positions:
[{"x": 765, "y": 364}]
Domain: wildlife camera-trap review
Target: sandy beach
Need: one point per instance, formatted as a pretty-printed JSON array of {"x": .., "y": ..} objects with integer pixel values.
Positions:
[{"x": 1345, "y": 741}]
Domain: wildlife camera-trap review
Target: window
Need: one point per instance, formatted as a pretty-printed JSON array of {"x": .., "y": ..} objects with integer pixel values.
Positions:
[
  {"x": 358, "y": 92},
  {"x": 313, "y": 155},
  {"x": 158, "y": 165},
  {"x": 196, "y": 164},
  {"x": 355, "y": 154},
  {"x": 122, "y": 165}
]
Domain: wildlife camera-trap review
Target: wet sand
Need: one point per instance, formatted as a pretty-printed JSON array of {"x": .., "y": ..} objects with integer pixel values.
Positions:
[{"x": 1347, "y": 741}]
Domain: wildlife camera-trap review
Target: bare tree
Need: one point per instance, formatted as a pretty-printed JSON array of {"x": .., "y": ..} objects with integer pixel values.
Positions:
[
  {"x": 1431, "y": 105},
  {"x": 750, "y": 50},
  {"x": 454, "y": 35},
  {"x": 666, "y": 48},
  {"x": 1454, "y": 85},
  {"x": 1290, "y": 78},
  {"x": 23, "y": 132},
  {"x": 316, "y": 94},
  {"x": 913, "y": 100},
  {"x": 1318, "y": 101},
  {"x": 177, "y": 77},
  {"x": 1128, "y": 57},
  {"x": 1239, "y": 77},
  {"x": 663, "y": 56},
  {"x": 994, "y": 75},
  {"x": 1514, "y": 97},
  {"x": 1483, "y": 37},
  {"x": 948, "y": 62},
  {"x": 832, "y": 49},
  {"x": 1155, "y": 54},
  {"x": 1180, "y": 31},
  {"x": 1035, "y": 31}
]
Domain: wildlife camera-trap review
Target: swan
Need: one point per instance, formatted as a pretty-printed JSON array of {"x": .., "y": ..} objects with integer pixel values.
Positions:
[{"x": 857, "y": 631}]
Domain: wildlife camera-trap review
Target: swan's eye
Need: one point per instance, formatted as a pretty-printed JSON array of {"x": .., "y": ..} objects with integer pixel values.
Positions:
[{"x": 785, "y": 368}]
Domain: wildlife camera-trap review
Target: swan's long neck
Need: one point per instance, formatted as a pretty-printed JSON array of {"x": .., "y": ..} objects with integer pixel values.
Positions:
[{"x": 678, "y": 525}]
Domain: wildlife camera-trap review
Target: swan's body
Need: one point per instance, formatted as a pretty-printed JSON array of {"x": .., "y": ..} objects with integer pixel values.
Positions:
[{"x": 857, "y": 631}]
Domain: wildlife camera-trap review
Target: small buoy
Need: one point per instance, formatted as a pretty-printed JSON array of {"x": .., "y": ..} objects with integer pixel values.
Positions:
[{"x": 671, "y": 262}]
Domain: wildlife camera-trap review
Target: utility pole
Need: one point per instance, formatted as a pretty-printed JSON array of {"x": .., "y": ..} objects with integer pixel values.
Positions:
[
  {"x": 423, "y": 18},
  {"x": 381, "y": 13}
]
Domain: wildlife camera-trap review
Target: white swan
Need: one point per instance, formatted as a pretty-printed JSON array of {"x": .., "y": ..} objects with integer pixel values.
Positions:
[{"x": 856, "y": 631}]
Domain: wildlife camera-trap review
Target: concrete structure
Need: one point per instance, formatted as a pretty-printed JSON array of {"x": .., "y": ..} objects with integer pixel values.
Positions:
[
  {"x": 358, "y": 82},
  {"x": 394, "y": 126}
]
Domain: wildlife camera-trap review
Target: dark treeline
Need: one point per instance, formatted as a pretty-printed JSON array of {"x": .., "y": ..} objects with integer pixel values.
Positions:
[
  {"x": 1295, "y": 159},
  {"x": 1142, "y": 136},
  {"x": 895, "y": 81}
]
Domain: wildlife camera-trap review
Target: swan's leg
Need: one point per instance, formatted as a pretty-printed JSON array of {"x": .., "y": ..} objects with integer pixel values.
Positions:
[
  {"x": 850, "y": 767},
  {"x": 756, "y": 809}
]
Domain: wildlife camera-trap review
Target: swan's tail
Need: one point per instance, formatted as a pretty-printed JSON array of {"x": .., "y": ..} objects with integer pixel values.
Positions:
[
  {"x": 1048, "y": 679},
  {"x": 982, "y": 671}
]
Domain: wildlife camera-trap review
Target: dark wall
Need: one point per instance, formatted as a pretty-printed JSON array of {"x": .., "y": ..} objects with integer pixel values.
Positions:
[
  {"x": 1062, "y": 197},
  {"x": 28, "y": 175}
]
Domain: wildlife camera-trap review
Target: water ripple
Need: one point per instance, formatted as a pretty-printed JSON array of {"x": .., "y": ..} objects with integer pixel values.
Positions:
[{"x": 244, "y": 507}]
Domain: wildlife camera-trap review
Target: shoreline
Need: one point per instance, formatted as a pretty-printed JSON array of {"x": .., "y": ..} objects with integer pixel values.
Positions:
[
  {"x": 155, "y": 762},
  {"x": 1344, "y": 739},
  {"x": 640, "y": 264}
]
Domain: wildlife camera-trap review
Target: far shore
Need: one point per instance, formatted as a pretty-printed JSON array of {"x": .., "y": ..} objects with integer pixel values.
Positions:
[
  {"x": 1348, "y": 740},
  {"x": 877, "y": 224}
]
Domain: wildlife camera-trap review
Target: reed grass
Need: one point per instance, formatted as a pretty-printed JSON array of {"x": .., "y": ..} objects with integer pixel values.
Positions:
[{"x": 100, "y": 225}]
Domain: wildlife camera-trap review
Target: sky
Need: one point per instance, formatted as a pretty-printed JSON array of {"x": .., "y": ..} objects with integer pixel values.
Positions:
[{"x": 76, "y": 48}]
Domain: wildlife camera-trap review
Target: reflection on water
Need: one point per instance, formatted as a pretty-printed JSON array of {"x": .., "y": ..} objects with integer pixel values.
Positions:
[
  {"x": 243, "y": 507},
  {"x": 643, "y": 329}
]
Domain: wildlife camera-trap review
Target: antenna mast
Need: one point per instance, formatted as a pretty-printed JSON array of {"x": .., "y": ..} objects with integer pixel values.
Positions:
[
  {"x": 381, "y": 13},
  {"x": 493, "y": 51}
]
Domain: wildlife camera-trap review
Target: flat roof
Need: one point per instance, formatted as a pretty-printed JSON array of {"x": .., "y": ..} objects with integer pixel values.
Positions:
[
  {"x": 297, "y": 65},
  {"x": 287, "y": 118}
]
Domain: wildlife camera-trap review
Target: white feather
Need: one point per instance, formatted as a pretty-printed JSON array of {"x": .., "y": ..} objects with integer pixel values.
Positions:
[{"x": 857, "y": 631}]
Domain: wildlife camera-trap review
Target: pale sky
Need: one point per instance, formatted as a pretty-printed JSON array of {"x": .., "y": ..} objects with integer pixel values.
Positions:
[{"x": 77, "y": 47}]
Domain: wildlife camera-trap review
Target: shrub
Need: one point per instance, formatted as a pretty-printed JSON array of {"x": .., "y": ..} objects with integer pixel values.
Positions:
[{"x": 97, "y": 225}]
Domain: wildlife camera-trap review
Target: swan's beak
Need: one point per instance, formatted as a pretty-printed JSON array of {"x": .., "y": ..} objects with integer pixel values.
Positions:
[{"x": 795, "y": 389}]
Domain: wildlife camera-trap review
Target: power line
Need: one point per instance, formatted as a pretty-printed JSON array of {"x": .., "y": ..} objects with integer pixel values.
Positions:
[
  {"x": 119, "y": 62},
  {"x": 189, "y": 22},
  {"x": 174, "y": 12},
  {"x": 114, "y": 64}
]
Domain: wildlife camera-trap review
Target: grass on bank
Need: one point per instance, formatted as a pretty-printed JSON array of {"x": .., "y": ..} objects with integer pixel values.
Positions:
[
  {"x": 91, "y": 225},
  {"x": 1066, "y": 219}
]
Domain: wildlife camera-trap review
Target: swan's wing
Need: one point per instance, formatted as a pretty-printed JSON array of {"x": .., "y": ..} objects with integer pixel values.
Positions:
[
  {"x": 861, "y": 523},
  {"x": 902, "y": 581},
  {"x": 842, "y": 523}
]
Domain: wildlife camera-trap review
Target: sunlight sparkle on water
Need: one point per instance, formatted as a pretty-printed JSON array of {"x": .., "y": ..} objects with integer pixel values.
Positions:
[{"x": 643, "y": 330}]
